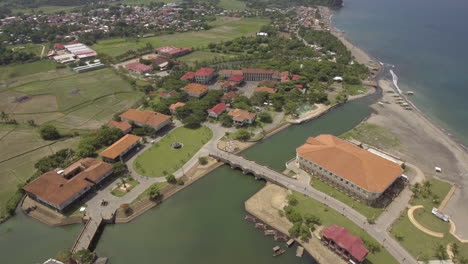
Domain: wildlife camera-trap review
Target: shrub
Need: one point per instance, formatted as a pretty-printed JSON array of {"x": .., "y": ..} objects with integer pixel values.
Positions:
[
  {"x": 49, "y": 132},
  {"x": 171, "y": 179},
  {"x": 180, "y": 182},
  {"x": 203, "y": 160}
]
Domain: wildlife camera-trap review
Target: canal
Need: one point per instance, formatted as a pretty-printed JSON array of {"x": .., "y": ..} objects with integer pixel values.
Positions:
[{"x": 202, "y": 224}]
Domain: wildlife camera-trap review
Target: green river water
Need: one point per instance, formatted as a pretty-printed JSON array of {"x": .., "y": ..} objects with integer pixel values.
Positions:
[{"x": 202, "y": 224}]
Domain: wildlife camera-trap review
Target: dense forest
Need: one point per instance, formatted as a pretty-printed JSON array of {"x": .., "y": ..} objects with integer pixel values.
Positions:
[{"x": 8, "y": 56}]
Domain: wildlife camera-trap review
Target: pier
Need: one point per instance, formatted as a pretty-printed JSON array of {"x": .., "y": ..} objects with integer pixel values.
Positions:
[{"x": 87, "y": 234}]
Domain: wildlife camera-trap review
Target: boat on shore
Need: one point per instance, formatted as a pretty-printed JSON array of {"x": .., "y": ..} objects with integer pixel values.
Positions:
[
  {"x": 250, "y": 218},
  {"x": 290, "y": 242},
  {"x": 409, "y": 93},
  {"x": 281, "y": 238},
  {"x": 270, "y": 232},
  {"x": 278, "y": 251},
  {"x": 261, "y": 226}
]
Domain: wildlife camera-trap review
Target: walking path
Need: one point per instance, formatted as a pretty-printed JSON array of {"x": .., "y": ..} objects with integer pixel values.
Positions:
[
  {"x": 419, "y": 226},
  {"x": 378, "y": 230}
]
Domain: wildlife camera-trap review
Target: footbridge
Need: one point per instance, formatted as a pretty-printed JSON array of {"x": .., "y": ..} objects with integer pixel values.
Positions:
[
  {"x": 87, "y": 234},
  {"x": 251, "y": 167}
]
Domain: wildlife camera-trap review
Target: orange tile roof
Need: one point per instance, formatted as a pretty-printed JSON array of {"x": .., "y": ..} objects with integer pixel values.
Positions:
[
  {"x": 122, "y": 125},
  {"x": 146, "y": 117},
  {"x": 265, "y": 89},
  {"x": 241, "y": 115},
  {"x": 257, "y": 71},
  {"x": 56, "y": 189},
  {"x": 173, "y": 107},
  {"x": 120, "y": 146},
  {"x": 359, "y": 166},
  {"x": 195, "y": 88}
]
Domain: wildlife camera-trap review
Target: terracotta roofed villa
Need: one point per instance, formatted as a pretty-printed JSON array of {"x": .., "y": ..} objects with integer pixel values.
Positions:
[
  {"x": 241, "y": 117},
  {"x": 120, "y": 147},
  {"x": 354, "y": 170},
  {"x": 195, "y": 90},
  {"x": 146, "y": 118},
  {"x": 340, "y": 240},
  {"x": 122, "y": 125},
  {"x": 59, "y": 189}
]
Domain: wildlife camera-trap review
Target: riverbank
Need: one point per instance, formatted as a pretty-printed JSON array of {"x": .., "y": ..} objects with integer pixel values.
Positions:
[{"x": 265, "y": 205}]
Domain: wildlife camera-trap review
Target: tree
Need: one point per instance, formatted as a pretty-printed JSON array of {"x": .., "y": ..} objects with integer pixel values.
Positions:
[
  {"x": 171, "y": 179},
  {"x": 292, "y": 201},
  {"x": 64, "y": 256},
  {"x": 226, "y": 120},
  {"x": 454, "y": 248},
  {"x": 154, "y": 193},
  {"x": 203, "y": 160},
  {"x": 372, "y": 246},
  {"x": 120, "y": 168},
  {"x": 84, "y": 256},
  {"x": 312, "y": 219},
  {"x": 49, "y": 132},
  {"x": 399, "y": 236},
  {"x": 242, "y": 135},
  {"x": 295, "y": 230},
  {"x": 305, "y": 233},
  {"x": 441, "y": 252},
  {"x": 265, "y": 117},
  {"x": 180, "y": 181}
]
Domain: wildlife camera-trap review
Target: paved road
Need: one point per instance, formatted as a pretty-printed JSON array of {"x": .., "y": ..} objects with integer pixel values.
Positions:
[{"x": 378, "y": 230}]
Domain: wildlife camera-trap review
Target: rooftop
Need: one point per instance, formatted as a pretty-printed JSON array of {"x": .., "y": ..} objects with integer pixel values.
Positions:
[
  {"x": 188, "y": 76},
  {"x": 241, "y": 115},
  {"x": 341, "y": 236},
  {"x": 146, "y": 117},
  {"x": 56, "y": 189},
  {"x": 359, "y": 166},
  {"x": 195, "y": 88},
  {"x": 265, "y": 89},
  {"x": 204, "y": 71},
  {"x": 173, "y": 107},
  {"x": 120, "y": 146},
  {"x": 218, "y": 109},
  {"x": 138, "y": 67},
  {"x": 122, "y": 125}
]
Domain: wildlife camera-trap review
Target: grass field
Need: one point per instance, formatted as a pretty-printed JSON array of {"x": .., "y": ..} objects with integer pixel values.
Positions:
[
  {"x": 354, "y": 89},
  {"x": 373, "y": 135},
  {"x": 232, "y": 4},
  {"x": 33, "y": 48},
  {"x": 329, "y": 216},
  {"x": 14, "y": 71},
  {"x": 223, "y": 29},
  {"x": 418, "y": 243},
  {"x": 119, "y": 193},
  {"x": 145, "y": 194},
  {"x": 162, "y": 159},
  {"x": 366, "y": 210},
  {"x": 199, "y": 56},
  {"x": 46, "y": 9}
]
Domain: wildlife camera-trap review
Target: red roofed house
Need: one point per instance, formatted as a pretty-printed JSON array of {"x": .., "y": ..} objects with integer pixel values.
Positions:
[
  {"x": 167, "y": 95},
  {"x": 229, "y": 97},
  {"x": 59, "y": 46},
  {"x": 59, "y": 189},
  {"x": 296, "y": 77},
  {"x": 239, "y": 79},
  {"x": 173, "y": 107},
  {"x": 340, "y": 240},
  {"x": 138, "y": 67},
  {"x": 241, "y": 117},
  {"x": 122, "y": 125},
  {"x": 120, "y": 148},
  {"x": 146, "y": 118},
  {"x": 189, "y": 76},
  {"x": 217, "y": 110},
  {"x": 204, "y": 75}
]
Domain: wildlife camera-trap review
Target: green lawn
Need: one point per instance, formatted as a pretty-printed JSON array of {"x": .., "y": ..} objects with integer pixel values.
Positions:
[
  {"x": 223, "y": 29},
  {"x": 119, "y": 193},
  {"x": 46, "y": 9},
  {"x": 373, "y": 135},
  {"x": 232, "y": 4},
  {"x": 33, "y": 48},
  {"x": 418, "y": 243},
  {"x": 329, "y": 216},
  {"x": 162, "y": 159},
  {"x": 199, "y": 56},
  {"x": 366, "y": 210},
  {"x": 145, "y": 194}
]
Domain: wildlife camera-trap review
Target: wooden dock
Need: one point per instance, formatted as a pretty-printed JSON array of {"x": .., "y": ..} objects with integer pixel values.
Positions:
[{"x": 299, "y": 252}]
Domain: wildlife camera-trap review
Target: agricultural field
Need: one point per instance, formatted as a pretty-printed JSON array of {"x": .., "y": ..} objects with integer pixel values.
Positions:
[
  {"x": 36, "y": 49},
  {"x": 232, "y": 4},
  {"x": 152, "y": 164},
  {"x": 47, "y": 9},
  {"x": 223, "y": 29},
  {"x": 14, "y": 72},
  {"x": 82, "y": 101}
]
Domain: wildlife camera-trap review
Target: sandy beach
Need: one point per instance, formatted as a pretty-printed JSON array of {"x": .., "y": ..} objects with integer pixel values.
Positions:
[{"x": 423, "y": 143}]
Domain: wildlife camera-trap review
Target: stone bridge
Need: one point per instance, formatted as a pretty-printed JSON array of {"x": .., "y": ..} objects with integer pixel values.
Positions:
[
  {"x": 251, "y": 167},
  {"x": 87, "y": 234}
]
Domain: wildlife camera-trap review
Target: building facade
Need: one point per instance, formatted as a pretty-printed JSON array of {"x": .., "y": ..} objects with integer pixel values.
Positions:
[{"x": 355, "y": 171}]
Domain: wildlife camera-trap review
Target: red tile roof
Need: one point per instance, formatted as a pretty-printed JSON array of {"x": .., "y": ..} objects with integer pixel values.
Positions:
[
  {"x": 241, "y": 115},
  {"x": 146, "y": 117},
  {"x": 353, "y": 244},
  {"x": 59, "y": 46},
  {"x": 122, "y": 125},
  {"x": 120, "y": 146},
  {"x": 257, "y": 71},
  {"x": 296, "y": 77},
  {"x": 57, "y": 190},
  {"x": 227, "y": 97},
  {"x": 218, "y": 109},
  {"x": 138, "y": 67},
  {"x": 236, "y": 78},
  {"x": 264, "y": 89},
  {"x": 195, "y": 88},
  {"x": 188, "y": 76},
  {"x": 204, "y": 71},
  {"x": 173, "y": 107}
]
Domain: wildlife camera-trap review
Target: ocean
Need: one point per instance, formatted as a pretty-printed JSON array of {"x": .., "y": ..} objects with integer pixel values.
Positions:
[{"x": 426, "y": 41}]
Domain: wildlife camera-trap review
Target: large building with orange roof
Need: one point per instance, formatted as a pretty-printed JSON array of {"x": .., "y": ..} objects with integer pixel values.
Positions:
[
  {"x": 60, "y": 188},
  {"x": 354, "y": 170},
  {"x": 196, "y": 90},
  {"x": 146, "y": 118},
  {"x": 121, "y": 147}
]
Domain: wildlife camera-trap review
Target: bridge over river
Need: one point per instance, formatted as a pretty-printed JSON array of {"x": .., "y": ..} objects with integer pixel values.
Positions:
[
  {"x": 87, "y": 234},
  {"x": 378, "y": 230}
]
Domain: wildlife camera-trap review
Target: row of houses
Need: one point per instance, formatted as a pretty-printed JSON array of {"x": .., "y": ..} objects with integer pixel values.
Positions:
[{"x": 71, "y": 52}]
